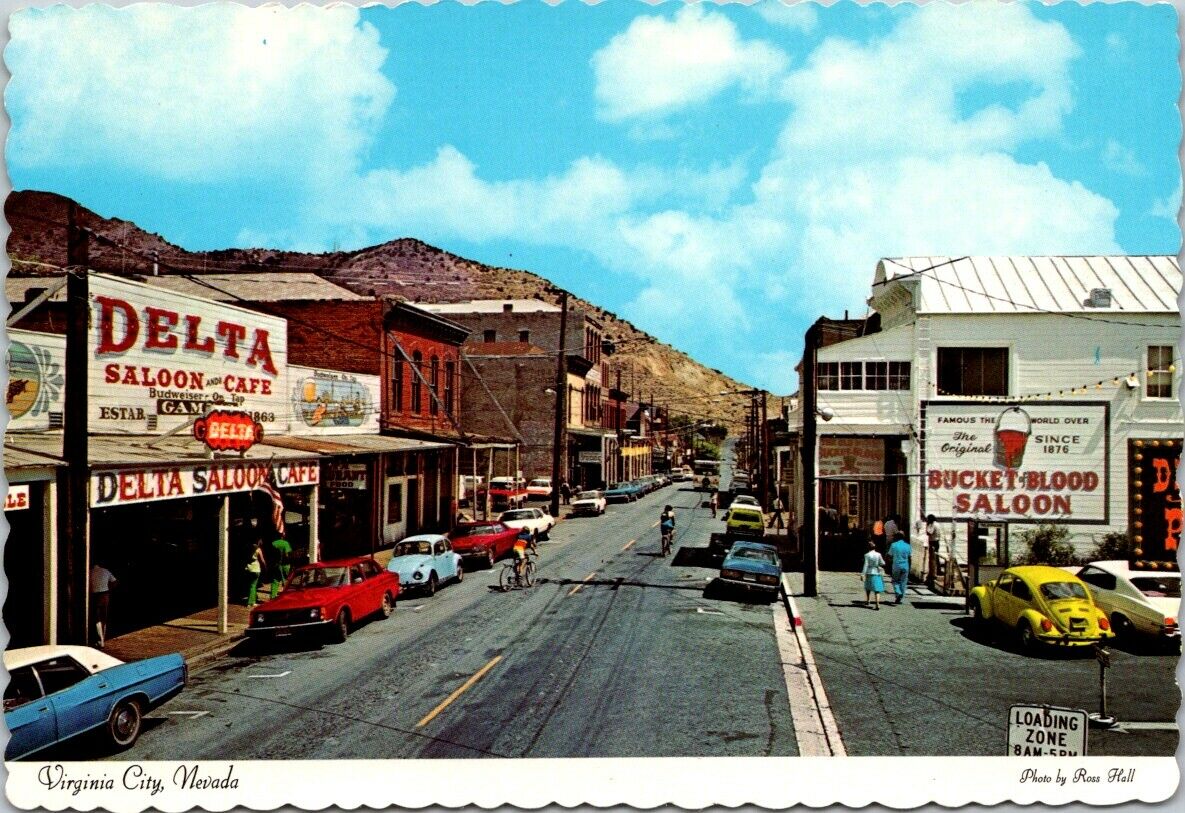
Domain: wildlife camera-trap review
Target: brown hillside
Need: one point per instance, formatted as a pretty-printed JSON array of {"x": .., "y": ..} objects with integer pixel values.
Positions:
[{"x": 405, "y": 267}]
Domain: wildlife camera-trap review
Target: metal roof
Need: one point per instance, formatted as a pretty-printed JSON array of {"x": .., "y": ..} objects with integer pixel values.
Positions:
[
  {"x": 277, "y": 286},
  {"x": 1138, "y": 284},
  {"x": 134, "y": 450},
  {"x": 18, "y": 457},
  {"x": 354, "y": 444},
  {"x": 490, "y": 306}
]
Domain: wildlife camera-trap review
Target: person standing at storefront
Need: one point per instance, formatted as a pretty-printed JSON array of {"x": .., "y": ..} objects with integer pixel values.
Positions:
[
  {"x": 255, "y": 570},
  {"x": 777, "y": 517},
  {"x": 101, "y": 583},
  {"x": 281, "y": 554},
  {"x": 899, "y": 553},
  {"x": 565, "y": 492},
  {"x": 931, "y": 530},
  {"x": 873, "y": 575}
]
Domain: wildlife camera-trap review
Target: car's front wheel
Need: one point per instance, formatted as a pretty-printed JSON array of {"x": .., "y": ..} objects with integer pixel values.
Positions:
[
  {"x": 430, "y": 588},
  {"x": 123, "y": 727},
  {"x": 490, "y": 560},
  {"x": 976, "y": 612},
  {"x": 388, "y": 605},
  {"x": 460, "y": 573},
  {"x": 341, "y": 627},
  {"x": 1028, "y": 638}
]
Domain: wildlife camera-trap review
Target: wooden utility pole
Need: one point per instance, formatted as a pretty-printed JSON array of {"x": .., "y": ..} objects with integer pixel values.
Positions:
[
  {"x": 763, "y": 465},
  {"x": 810, "y": 509},
  {"x": 559, "y": 436},
  {"x": 74, "y": 544}
]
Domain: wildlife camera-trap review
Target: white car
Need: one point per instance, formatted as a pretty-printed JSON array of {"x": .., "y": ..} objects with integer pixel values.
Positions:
[
  {"x": 746, "y": 499},
  {"x": 538, "y": 521},
  {"x": 1143, "y": 602},
  {"x": 539, "y": 488},
  {"x": 591, "y": 503}
]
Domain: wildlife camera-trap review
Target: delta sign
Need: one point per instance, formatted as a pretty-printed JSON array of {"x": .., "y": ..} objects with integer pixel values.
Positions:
[
  {"x": 161, "y": 359},
  {"x": 1027, "y": 463}
]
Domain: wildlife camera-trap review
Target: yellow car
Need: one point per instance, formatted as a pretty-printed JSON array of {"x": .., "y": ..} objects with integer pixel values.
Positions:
[
  {"x": 1043, "y": 604},
  {"x": 744, "y": 520}
]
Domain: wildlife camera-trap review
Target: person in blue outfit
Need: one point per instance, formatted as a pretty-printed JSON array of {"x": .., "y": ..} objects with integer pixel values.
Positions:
[
  {"x": 873, "y": 575},
  {"x": 899, "y": 553}
]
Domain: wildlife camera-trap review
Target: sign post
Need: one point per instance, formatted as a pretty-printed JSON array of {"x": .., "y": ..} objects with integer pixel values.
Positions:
[
  {"x": 1101, "y": 719},
  {"x": 1046, "y": 731}
]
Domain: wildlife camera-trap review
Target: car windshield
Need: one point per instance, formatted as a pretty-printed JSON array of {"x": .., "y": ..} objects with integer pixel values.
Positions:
[
  {"x": 319, "y": 577},
  {"x": 414, "y": 548},
  {"x": 477, "y": 530},
  {"x": 588, "y": 495},
  {"x": 1158, "y": 586},
  {"x": 513, "y": 515},
  {"x": 541, "y": 483},
  {"x": 1054, "y": 591},
  {"x": 756, "y": 554}
]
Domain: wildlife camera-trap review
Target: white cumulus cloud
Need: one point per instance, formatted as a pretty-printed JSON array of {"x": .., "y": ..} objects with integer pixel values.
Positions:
[
  {"x": 194, "y": 94},
  {"x": 659, "y": 65},
  {"x": 798, "y": 16}
]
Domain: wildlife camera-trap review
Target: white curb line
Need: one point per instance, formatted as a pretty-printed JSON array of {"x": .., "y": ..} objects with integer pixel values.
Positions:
[{"x": 815, "y": 728}]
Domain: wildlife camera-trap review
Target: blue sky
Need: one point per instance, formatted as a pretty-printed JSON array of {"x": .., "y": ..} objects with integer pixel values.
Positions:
[{"x": 718, "y": 175}]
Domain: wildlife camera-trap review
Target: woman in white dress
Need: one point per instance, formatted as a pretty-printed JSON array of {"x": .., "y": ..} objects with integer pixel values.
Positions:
[{"x": 873, "y": 574}]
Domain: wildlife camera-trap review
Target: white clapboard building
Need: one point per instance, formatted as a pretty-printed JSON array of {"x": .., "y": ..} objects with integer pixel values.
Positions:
[{"x": 1012, "y": 391}]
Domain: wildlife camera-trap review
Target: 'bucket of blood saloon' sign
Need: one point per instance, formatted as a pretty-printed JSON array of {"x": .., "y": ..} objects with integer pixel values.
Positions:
[{"x": 1041, "y": 463}]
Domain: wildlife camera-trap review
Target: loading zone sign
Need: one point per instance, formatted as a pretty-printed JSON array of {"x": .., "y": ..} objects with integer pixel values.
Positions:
[{"x": 1046, "y": 731}]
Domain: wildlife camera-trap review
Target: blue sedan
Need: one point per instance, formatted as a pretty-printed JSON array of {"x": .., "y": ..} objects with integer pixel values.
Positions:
[
  {"x": 753, "y": 566},
  {"x": 58, "y": 692},
  {"x": 425, "y": 562},
  {"x": 628, "y": 491}
]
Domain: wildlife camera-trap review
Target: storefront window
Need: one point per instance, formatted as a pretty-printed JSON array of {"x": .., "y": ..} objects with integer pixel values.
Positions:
[
  {"x": 394, "y": 503},
  {"x": 972, "y": 371},
  {"x": 1160, "y": 376}
]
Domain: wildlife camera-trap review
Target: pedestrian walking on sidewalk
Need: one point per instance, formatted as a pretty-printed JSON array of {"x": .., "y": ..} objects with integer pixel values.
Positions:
[
  {"x": 255, "y": 570},
  {"x": 101, "y": 582},
  {"x": 873, "y": 574},
  {"x": 281, "y": 552},
  {"x": 899, "y": 554},
  {"x": 565, "y": 492},
  {"x": 777, "y": 517},
  {"x": 891, "y": 526},
  {"x": 713, "y": 503}
]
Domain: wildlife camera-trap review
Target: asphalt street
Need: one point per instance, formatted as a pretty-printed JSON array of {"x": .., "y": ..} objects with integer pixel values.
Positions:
[
  {"x": 919, "y": 679},
  {"x": 616, "y": 652}
]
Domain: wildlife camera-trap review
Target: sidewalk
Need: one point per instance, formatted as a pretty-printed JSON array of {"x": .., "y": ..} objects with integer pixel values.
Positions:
[{"x": 195, "y": 636}]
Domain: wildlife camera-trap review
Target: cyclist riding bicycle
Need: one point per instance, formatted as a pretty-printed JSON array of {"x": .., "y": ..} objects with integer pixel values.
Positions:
[
  {"x": 524, "y": 540},
  {"x": 667, "y": 520}
]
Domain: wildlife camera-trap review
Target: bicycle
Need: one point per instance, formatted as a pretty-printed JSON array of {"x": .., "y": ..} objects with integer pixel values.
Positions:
[
  {"x": 512, "y": 577},
  {"x": 667, "y": 536}
]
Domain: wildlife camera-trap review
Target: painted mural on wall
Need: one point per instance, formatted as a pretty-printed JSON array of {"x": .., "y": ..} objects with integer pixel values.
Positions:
[
  {"x": 36, "y": 380},
  {"x": 330, "y": 402}
]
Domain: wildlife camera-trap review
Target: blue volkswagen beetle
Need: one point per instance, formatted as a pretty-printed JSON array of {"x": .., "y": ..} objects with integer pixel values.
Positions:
[
  {"x": 425, "y": 562},
  {"x": 58, "y": 692},
  {"x": 753, "y": 566}
]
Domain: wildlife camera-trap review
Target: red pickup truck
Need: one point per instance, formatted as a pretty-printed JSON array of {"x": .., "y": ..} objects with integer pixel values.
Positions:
[{"x": 507, "y": 493}]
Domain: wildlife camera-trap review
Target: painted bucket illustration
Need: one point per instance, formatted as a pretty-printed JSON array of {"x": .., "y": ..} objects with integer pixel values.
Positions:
[{"x": 1013, "y": 427}]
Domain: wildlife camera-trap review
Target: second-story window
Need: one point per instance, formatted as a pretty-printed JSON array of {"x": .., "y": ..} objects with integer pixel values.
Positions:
[
  {"x": 434, "y": 379},
  {"x": 524, "y": 336},
  {"x": 972, "y": 370},
  {"x": 898, "y": 375},
  {"x": 876, "y": 375},
  {"x": 828, "y": 375},
  {"x": 1160, "y": 371},
  {"x": 450, "y": 370},
  {"x": 851, "y": 375},
  {"x": 397, "y": 385},
  {"x": 417, "y": 394},
  {"x": 489, "y": 336}
]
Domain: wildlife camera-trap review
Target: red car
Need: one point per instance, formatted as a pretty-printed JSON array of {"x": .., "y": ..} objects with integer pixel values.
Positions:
[
  {"x": 327, "y": 597},
  {"x": 486, "y": 541}
]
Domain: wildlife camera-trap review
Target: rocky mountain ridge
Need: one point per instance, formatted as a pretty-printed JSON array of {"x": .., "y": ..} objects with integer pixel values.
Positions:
[{"x": 404, "y": 267}]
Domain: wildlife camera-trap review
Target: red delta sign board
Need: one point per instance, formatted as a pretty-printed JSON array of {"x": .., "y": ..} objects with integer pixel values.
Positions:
[
  {"x": 1030, "y": 463},
  {"x": 222, "y": 431}
]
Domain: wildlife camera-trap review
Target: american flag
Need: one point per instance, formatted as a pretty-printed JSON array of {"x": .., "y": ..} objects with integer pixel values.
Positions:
[{"x": 277, "y": 506}]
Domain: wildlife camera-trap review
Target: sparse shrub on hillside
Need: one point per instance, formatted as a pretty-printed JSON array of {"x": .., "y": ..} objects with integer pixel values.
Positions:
[{"x": 1046, "y": 545}]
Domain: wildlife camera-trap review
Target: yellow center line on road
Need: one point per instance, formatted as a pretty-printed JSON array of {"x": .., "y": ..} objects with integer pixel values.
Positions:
[
  {"x": 628, "y": 545},
  {"x": 655, "y": 525},
  {"x": 464, "y": 687},
  {"x": 583, "y": 582}
]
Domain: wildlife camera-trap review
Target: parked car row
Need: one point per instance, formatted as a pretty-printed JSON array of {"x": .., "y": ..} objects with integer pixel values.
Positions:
[{"x": 632, "y": 490}]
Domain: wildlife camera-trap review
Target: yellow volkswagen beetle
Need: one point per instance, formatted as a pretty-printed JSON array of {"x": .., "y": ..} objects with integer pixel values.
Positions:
[{"x": 1043, "y": 604}]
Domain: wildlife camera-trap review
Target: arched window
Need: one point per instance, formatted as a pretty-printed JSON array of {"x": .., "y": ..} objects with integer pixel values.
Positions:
[
  {"x": 397, "y": 385},
  {"x": 435, "y": 381},
  {"x": 417, "y": 395},
  {"x": 450, "y": 372}
]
